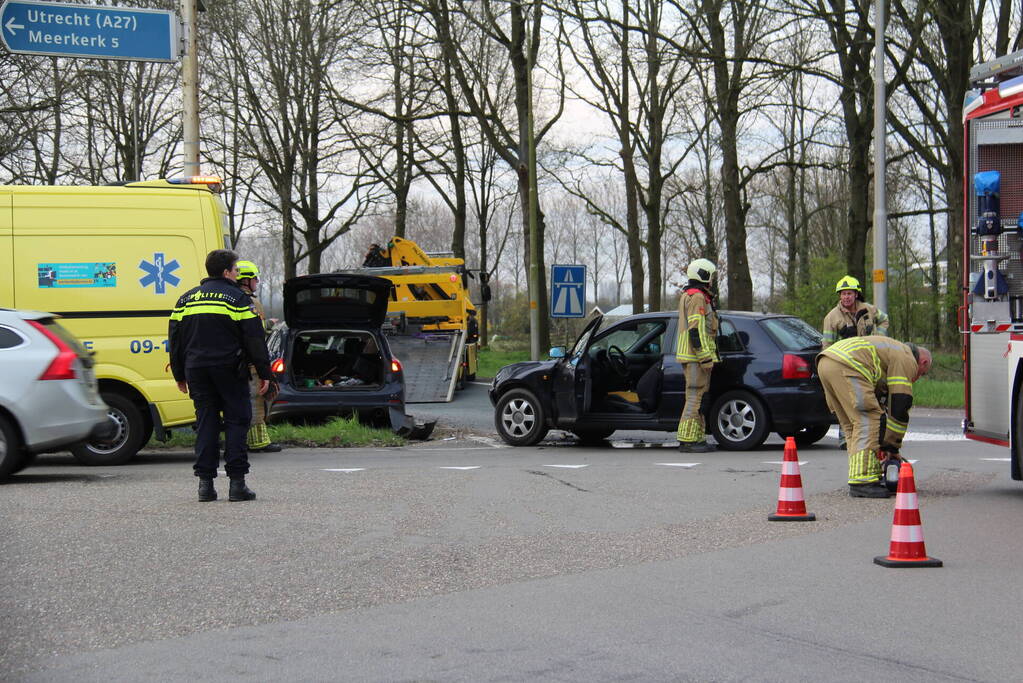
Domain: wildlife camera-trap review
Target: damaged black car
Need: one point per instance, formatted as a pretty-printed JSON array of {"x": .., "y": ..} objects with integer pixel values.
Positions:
[{"x": 330, "y": 357}]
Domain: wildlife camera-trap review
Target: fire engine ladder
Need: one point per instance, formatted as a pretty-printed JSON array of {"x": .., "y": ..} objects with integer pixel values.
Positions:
[{"x": 997, "y": 70}]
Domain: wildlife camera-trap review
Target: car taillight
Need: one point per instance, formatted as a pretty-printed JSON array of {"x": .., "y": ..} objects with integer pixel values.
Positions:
[
  {"x": 63, "y": 366},
  {"x": 277, "y": 366},
  {"x": 395, "y": 365},
  {"x": 795, "y": 367}
]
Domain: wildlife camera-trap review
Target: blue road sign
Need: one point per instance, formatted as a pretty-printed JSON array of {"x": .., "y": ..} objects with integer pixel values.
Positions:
[
  {"x": 568, "y": 291},
  {"x": 66, "y": 30}
]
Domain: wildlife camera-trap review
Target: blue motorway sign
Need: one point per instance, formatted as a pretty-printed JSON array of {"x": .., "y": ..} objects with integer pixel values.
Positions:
[
  {"x": 568, "y": 291},
  {"x": 66, "y": 30}
]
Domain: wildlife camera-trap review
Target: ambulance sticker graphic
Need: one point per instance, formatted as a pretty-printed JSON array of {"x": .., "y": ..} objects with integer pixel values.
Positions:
[{"x": 159, "y": 273}]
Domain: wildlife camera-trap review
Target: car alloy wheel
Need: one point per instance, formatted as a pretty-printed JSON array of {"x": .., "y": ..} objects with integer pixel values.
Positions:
[
  {"x": 739, "y": 421},
  {"x": 520, "y": 419},
  {"x": 736, "y": 420}
]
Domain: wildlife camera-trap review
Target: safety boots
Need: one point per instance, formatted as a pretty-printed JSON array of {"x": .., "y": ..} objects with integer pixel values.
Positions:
[
  {"x": 206, "y": 491},
  {"x": 695, "y": 447},
  {"x": 872, "y": 490},
  {"x": 239, "y": 491}
]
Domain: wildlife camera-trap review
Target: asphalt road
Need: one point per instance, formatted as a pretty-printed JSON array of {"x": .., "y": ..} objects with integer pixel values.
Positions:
[{"x": 467, "y": 560}]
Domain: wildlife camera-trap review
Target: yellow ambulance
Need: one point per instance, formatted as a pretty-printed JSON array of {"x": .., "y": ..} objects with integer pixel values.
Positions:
[{"x": 113, "y": 260}]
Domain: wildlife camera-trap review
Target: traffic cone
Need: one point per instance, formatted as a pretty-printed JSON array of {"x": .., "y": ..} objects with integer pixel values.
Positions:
[
  {"x": 907, "y": 548},
  {"x": 791, "y": 506}
]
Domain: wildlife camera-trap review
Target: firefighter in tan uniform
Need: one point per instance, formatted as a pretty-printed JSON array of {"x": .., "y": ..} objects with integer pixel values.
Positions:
[
  {"x": 854, "y": 372},
  {"x": 697, "y": 351},
  {"x": 852, "y": 316},
  {"x": 259, "y": 435}
]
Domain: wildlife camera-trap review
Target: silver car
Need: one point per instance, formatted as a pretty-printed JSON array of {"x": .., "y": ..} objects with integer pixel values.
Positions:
[{"x": 48, "y": 394}]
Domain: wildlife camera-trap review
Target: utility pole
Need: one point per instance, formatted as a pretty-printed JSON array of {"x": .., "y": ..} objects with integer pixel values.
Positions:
[
  {"x": 190, "y": 88},
  {"x": 880, "y": 275},
  {"x": 533, "y": 276}
]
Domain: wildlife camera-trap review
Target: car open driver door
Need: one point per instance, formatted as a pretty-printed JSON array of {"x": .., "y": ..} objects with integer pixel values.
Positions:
[{"x": 573, "y": 378}]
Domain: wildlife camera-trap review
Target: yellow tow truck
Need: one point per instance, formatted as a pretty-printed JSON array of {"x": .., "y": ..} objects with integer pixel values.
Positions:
[{"x": 432, "y": 326}]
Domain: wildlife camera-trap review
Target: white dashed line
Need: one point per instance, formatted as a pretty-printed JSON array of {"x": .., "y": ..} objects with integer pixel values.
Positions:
[
  {"x": 568, "y": 467},
  {"x": 471, "y": 467},
  {"x": 348, "y": 469},
  {"x": 678, "y": 464},
  {"x": 998, "y": 459}
]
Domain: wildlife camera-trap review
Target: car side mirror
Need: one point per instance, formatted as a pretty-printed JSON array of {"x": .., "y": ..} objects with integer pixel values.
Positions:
[{"x": 557, "y": 352}]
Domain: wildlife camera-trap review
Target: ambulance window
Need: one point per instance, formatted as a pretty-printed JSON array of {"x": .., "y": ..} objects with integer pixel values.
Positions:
[{"x": 10, "y": 339}]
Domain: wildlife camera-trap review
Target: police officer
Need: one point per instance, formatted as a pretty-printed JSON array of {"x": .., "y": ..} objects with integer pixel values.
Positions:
[
  {"x": 852, "y": 316},
  {"x": 697, "y": 351},
  {"x": 214, "y": 335},
  {"x": 258, "y": 438},
  {"x": 854, "y": 372}
]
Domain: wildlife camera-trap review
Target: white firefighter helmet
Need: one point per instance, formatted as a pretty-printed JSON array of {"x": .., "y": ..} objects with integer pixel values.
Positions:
[{"x": 701, "y": 270}]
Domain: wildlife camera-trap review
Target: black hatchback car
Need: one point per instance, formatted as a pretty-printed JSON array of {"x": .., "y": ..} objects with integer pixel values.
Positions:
[
  {"x": 627, "y": 377},
  {"x": 330, "y": 356}
]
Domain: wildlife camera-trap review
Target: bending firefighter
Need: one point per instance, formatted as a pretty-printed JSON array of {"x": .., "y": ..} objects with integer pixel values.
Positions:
[
  {"x": 258, "y": 438},
  {"x": 697, "y": 351},
  {"x": 854, "y": 372}
]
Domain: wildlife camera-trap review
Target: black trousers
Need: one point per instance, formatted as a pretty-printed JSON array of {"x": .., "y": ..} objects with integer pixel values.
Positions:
[{"x": 217, "y": 391}]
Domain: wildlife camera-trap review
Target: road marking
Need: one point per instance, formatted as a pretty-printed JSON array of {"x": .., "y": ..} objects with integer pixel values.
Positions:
[
  {"x": 568, "y": 467},
  {"x": 918, "y": 436},
  {"x": 781, "y": 462},
  {"x": 482, "y": 384},
  {"x": 998, "y": 459},
  {"x": 644, "y": 444},
  {"x": 679, "y": 464},
  {"x": 349, "y": 469},
  {"x": 471, "y": 467}
]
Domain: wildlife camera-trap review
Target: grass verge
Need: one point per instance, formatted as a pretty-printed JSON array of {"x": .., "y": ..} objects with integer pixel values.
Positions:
[
  {"x": 339, "y": 432},
  {"x": 489, "y": 361},
  {"x": 938, "y": 393}
]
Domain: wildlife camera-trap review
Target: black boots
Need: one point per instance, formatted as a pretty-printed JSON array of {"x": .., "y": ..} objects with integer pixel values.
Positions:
[
  {"x": 695, "y": 447},
  {"x": 239, "y": 491},
  {"x": 206, "y": 491},
  {"x": 873, "y": 490}
]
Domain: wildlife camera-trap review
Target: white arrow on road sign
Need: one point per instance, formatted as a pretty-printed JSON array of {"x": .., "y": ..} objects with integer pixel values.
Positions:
[{"x": 11, "y": 25}]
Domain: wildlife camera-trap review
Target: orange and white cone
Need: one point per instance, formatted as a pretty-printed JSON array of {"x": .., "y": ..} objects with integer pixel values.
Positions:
[
  {"x": 907, "y": 548},
  {"x": 791, "y": 505}
]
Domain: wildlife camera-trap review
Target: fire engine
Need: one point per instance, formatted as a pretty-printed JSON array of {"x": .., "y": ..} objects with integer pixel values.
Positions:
[{"x": 992, "y": 312}]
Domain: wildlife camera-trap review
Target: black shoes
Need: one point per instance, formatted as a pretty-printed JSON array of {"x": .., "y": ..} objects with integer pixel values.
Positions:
[
  {"x": 695, "y": 447},
  {"x": 206, "y": 491},
  {"x": 872, "y": 490},
  {"x": 239, "y": 491},
  {"x": 269, "y": 448}
]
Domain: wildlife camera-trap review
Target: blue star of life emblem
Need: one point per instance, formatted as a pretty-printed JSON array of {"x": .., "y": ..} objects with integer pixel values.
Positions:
[{"x": 159, "y": 273}]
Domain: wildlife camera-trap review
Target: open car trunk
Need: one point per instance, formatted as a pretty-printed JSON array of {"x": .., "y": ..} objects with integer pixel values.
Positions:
[{"x": 336, "y": 360}]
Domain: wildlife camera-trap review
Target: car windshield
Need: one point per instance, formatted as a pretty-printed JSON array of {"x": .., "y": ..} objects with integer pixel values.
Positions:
[{"x": 792, "y": 334}]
